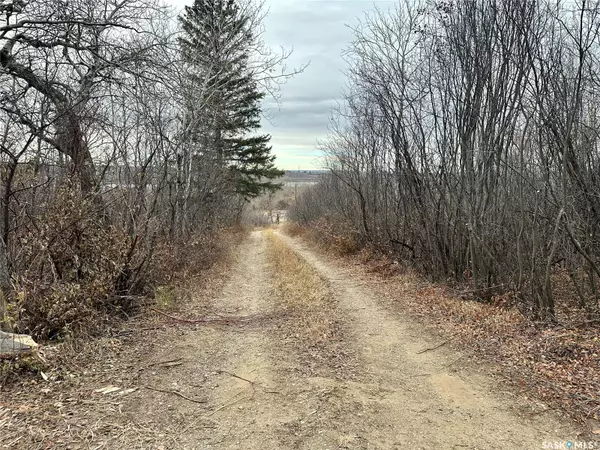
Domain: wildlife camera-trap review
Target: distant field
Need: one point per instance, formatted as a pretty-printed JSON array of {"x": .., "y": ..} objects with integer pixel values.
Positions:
[{"x": 293, "y": 177}]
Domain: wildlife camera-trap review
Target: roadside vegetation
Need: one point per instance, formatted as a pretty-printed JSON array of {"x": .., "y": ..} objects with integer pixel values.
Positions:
[
  {"x": 78, "y": 392},
  {"x": 314, "y": 326}
]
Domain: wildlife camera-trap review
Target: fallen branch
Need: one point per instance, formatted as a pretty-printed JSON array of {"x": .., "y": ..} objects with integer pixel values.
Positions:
[
  {"x": 537, "y": 413},
  {"x": 178, "y": 319},
  {"x": 216, "y": 320},
  {"x": 237, "y": 376},
  {"x": 436, "y": 347},
  {"x": 160, "y": 326},
  {"x": 178, "y": 394},
  {"x": 253, "y": 383},
  {"x": 230, "y": 404},
  {"x": 160, "y": 363}
]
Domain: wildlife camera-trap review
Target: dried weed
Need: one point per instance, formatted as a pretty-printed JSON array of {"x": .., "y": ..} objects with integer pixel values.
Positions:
[{"x": 316, "y": 328}]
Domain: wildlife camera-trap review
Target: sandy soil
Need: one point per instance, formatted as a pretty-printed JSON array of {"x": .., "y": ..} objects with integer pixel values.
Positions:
[{"x": 242, "y": 385}]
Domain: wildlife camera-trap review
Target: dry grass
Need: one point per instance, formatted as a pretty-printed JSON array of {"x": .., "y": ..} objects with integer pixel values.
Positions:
[
  {"x": 292, "y": 229},
  {"x": 316, "y": 330},
  {"x": 300, "y": 291}
]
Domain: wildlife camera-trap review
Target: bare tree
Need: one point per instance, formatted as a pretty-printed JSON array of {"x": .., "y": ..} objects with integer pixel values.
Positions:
[{"x": 467, "y": 145}]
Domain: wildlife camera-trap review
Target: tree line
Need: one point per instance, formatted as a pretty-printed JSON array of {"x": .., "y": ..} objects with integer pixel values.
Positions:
[
  {"x": 122, "y": 126},
  {"x": 467, "y": 145}
]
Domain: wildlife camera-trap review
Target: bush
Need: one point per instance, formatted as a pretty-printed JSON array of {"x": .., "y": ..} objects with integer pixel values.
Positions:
[
  {"x": 78, "y": 272},
  {"x": 292, "y": 229},
  {"x": 69, "y": 265},
  {"x": 336, "y": 236}
]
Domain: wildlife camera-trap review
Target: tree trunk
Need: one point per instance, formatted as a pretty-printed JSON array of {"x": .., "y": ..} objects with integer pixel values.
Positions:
[
  {"x": 72, "y": 142},
  {"x": 4, "y": 282}
]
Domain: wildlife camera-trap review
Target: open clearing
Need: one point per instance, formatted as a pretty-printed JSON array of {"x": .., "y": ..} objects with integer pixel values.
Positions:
[{"x": 301, "y": 355}]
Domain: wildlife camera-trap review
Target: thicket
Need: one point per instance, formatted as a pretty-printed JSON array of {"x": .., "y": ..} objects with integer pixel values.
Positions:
[
  {"x": 467, "y": 147},
  {"x": 128, "y": 140}
]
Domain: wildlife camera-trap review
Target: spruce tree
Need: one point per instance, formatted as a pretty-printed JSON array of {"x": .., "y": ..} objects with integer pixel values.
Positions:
[{"x": 216, "y": 43}]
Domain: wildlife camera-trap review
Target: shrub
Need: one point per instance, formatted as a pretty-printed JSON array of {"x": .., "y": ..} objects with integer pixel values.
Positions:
[
  {"x": 336, "y": 236},
  {"x": 69, "y": 263}
]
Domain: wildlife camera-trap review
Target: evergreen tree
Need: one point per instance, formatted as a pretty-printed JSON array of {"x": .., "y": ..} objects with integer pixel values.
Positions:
[{"x": 216, "y": 44}]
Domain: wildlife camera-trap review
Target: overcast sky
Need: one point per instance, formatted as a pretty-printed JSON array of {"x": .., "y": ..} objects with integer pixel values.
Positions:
[{"x": 317, "y": 31}]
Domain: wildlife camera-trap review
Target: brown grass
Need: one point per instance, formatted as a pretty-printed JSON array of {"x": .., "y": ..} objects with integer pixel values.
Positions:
[
  {"x": 292, "y": 229},
  {"x": 316, "y": 328}
]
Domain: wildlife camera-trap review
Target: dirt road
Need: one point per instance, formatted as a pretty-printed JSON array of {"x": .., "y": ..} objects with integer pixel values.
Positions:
[
  {"x": 395, "y": 398},
  {"x": 249, "y": 383}
]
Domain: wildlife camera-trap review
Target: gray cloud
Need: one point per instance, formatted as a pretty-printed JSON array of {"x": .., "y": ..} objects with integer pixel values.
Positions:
[{"x": 317, "y": 31}]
